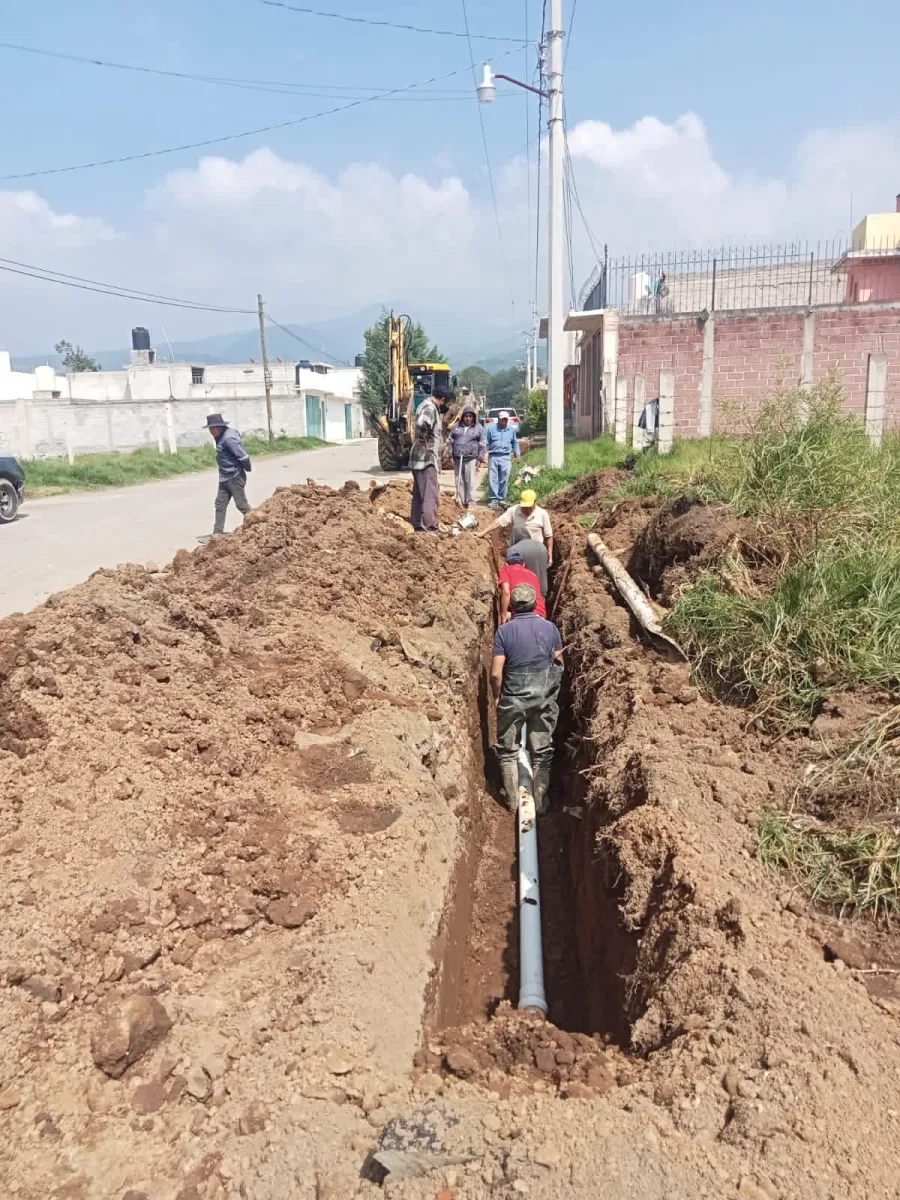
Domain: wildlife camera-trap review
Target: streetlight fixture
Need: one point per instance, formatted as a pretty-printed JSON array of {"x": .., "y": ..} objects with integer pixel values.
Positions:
[{"x": 555, "y": 343}]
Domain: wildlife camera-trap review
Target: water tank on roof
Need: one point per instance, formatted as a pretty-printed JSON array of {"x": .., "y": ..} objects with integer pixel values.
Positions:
[
  {"x": 140, "y": 338},
  {"x": 360, "y": 360}
]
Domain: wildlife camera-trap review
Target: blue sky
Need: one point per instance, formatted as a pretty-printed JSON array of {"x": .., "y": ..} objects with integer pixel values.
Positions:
[{"x": 786, "y": 99}]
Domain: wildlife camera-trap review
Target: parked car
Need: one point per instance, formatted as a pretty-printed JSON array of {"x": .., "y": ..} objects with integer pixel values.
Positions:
[
  {"x": 12, "y": 489},
  {"x": 494, "y": 413}
]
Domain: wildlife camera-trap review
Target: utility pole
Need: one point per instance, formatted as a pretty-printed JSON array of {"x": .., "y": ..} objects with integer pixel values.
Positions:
[
  {"x": 556, "y": 317},
  {"x": 265, "y": 362}
]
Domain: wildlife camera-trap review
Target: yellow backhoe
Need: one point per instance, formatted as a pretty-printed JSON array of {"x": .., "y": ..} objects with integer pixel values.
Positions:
[{"x": 409, "y": 384}]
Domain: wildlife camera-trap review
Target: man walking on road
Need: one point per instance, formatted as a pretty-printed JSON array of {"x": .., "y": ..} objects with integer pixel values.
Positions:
[
  {"x": 526, "y": 670},
  {"x": 424, "y": 462},
  {"x": 502, "y": 447},
  {"x": 529, "y": 517},
  {"x": 234, "y": 466}
]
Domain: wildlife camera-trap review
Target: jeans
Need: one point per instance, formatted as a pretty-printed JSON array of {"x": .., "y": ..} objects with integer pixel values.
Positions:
[
  {"x": 230, "y": 489},
  {"x": 530, "y": 696},
  {"x": 499, "y": 476},
  {"x": 465, "y": 471}
]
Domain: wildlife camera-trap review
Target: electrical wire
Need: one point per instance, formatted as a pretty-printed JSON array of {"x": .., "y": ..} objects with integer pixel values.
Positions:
[
  {"x": 487, "y": 159},
  {"x": 279, "y": 87},
  {"x": 569, "y": 33},
  {"x": 245, "y": 133},
  {"x": 304, "y": 342},
  {"x": 571, "y": 172},
  {"x": 314, "y": 12},
  {"x": 111, "y": 289},
  {"x": 527, "y": 133}
]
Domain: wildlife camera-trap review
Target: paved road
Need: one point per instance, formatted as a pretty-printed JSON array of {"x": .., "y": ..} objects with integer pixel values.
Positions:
[{"x": 59, "y": 541}]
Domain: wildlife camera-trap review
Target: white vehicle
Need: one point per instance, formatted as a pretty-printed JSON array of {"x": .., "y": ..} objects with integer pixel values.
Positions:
[{"x": 494, "y": 413}]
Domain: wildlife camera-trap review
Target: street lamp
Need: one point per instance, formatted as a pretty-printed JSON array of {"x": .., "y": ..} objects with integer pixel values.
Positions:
[{"x": 555, "y": 343}]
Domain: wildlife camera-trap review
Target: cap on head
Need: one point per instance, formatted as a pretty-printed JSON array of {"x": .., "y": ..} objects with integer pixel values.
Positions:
[
  {"x": 523, "y": 598},
  {"x": 528, "y": 499},
  {"x": 514, "y": 556},
  {"x": 503, "y": 415}
]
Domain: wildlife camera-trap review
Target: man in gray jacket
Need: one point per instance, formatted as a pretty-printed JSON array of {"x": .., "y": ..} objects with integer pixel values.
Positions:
[{"x": 234, "y": 465}]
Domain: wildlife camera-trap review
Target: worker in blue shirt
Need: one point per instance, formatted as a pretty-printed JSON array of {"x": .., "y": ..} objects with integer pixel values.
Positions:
[
  {"x": 526, "y": 670},
  {"x": 502, "y": 447}
]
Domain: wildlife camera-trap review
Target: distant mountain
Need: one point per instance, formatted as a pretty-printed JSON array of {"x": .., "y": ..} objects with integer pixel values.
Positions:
[{"x": 465, "y": 340}]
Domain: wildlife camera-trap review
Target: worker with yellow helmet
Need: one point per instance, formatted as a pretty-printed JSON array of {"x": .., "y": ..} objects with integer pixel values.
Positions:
[{"x": 527, "y": 516}]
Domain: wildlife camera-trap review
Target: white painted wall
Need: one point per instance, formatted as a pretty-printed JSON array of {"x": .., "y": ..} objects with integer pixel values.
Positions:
[{"x": 121, "y": 410}]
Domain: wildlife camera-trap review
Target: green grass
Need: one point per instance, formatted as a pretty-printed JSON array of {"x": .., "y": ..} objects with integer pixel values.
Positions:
[
  {"x": 856, "y": 871},
  {"x": 55, "y": 475}
]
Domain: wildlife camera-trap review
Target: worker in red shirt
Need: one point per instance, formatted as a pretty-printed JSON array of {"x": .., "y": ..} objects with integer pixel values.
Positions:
[{"x": 512, "y": 574}]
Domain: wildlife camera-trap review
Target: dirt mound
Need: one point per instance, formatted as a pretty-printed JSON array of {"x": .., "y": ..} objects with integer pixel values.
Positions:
[
  {"x": 515, "y": 1050},
  {"x": 587, "y": 494},
  {"x": 757, "y": 1036},
  {"x": 683, "y": 538},
  {"x": 230, "y": 787}
]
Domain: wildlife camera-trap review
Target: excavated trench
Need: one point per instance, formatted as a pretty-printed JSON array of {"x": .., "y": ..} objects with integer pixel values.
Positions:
[{"x": 589, "y": 954}]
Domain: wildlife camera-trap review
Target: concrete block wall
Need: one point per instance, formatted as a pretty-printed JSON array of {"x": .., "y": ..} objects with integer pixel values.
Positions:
[
  {"x": 727, "y": 363},
  {"x": 47, "y": 428}
]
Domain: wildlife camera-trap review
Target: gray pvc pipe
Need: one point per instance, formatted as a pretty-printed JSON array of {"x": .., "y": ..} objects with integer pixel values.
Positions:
[{"x": 531, "y": 951}]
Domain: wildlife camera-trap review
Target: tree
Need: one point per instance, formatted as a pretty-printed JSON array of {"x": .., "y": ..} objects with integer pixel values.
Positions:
[
  {"x": 74, "y": 358},
  {"x": 375, "y": 388},
  {"x": 506, "y": 389},
  {"x": 537, "y": 410},
  {"x": 475, "y": 379}
]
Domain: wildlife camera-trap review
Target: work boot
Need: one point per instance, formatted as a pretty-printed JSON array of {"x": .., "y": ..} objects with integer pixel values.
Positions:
[
  {"x": 509, "y": 775},
  {"x": 542, "y": 790}
]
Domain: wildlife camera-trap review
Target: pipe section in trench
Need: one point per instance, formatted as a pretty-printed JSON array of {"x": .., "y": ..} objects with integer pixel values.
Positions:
[{"x": 532, "y": 995}]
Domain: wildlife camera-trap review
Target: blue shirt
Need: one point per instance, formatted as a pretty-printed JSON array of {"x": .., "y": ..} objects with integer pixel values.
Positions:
[
  {"x": 502, "y": 441},
  {"x": 528, "y": 641}
]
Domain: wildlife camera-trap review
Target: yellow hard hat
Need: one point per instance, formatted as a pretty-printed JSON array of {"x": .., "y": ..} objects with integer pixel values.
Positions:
[{"x": 528, "y": 498}]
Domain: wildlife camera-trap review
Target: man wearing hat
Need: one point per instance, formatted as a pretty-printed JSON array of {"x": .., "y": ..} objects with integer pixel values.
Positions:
[
  {"x": 502, "y": 446},
  {"x": 516, "y": 571},
  {"x": 526, "y": 670},
  {"x": 234, "y": 465},
  {"x": 528, "y": 516}
]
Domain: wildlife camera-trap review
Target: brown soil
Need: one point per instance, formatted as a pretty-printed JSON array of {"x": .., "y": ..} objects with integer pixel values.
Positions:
[
  {"x": 243, "y": 803},
  {"x": 587, "y": 494}
]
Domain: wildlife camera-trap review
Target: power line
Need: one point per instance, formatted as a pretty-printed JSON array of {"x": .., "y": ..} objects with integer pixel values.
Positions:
[
  {"x": 304, "y": 342},
  {"x": 279, "y": 87},
  {"x": 232, "y": 137},
  {"x": 571, "y": 171},
  {"x": 569, "y": 33},
  {"x": 314, "y": 12},
  {"x": 111, "y": 289},
  {"x": 487, "y": 159}
]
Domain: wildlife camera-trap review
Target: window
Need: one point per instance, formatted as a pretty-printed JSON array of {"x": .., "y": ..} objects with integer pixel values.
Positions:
[{"x": 196, "y": 374}]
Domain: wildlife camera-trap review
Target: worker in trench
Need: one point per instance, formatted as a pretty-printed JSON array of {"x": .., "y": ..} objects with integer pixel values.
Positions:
[
  {"x": 526, "y": 671},
  {"x": 234, "y": 466},
  {"x": 514, "y": 572},
  {"x": 526, "y": 518}
]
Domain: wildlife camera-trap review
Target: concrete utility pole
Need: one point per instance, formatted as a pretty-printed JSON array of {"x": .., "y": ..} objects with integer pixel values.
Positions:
[
  {"x": 556, "y": 342},
  {"x": 265, "y": 363},
  {"x": 555, "y": 314}
]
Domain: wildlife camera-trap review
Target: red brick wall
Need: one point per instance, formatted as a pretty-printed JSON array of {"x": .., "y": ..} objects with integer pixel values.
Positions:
[
  {"x": 844, "y": 340},
  {"x": 754, "y": 353},
  {"x": 653, "y": 344}
]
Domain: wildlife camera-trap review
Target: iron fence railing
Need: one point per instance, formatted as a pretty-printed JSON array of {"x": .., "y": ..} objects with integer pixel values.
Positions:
[{"x": 732, "y": 278}]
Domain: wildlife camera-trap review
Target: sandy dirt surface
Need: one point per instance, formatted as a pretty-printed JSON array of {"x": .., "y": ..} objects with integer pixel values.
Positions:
[
  {"x": 239, "y": 798},
  {"x": 57, "y": 542}
]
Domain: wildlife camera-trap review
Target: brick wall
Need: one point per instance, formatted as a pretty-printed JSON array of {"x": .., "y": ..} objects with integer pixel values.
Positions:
[{"x": 753, "y": 353}]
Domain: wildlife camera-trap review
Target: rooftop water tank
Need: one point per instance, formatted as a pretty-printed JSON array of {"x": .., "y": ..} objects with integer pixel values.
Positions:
[{"x": 140, "y": 338}]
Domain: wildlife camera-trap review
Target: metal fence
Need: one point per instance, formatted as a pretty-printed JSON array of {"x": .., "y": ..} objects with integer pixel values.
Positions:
[{"x": 731, "y": 278}]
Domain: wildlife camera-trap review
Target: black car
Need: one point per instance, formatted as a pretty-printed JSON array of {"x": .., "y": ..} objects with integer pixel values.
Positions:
[{"x": 12, "y": 489}]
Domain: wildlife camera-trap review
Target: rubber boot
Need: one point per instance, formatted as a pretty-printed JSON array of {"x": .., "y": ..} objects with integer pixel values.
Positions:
[
  {"x": 509, "y": 775},
  {"x": 542, "y": 790}
]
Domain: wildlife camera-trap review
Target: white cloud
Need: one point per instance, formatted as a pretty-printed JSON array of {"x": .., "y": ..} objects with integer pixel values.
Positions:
[{"x": 317, "y": 244}]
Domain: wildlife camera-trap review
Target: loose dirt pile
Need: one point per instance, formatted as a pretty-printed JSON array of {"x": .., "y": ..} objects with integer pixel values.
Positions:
[{"x": 243, "y": 803}]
